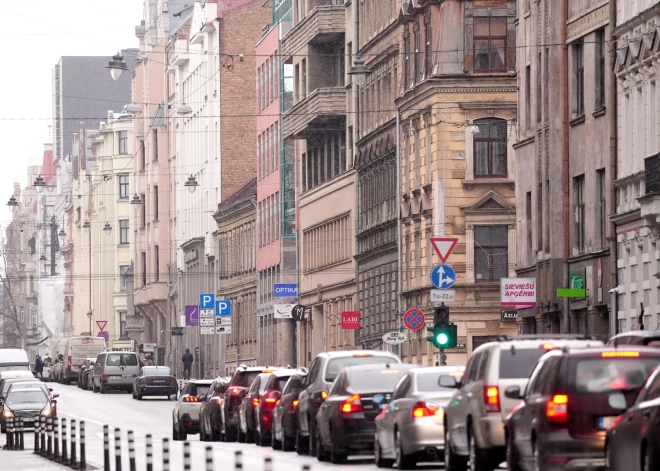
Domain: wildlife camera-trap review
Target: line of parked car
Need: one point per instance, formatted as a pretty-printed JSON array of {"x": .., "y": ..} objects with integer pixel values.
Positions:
[{"x": 538, "y": 403}]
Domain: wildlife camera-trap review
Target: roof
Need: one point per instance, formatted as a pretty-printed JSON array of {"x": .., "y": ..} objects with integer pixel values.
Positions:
[
  {"x": 289, "y": 372},
  {"x": 371, "y": 367},
  {"x": 246, "y": 193},
  {"x": 620, "y": 352},
  {"x": 351, "y": 353},
  {"x": 159, "y": 117}
]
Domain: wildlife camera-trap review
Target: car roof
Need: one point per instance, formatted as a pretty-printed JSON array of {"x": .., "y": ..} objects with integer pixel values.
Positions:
[
  {"x": 245, "y": 369},
  {"x": 525, "y": 343},
  {"x": 28, "y": 390},
  {"x": 288, "y": 372},
  {"x": 597, "y": 352},
  {"x": 638, "y": 333},
  {"x": 350, "y": 353},
  {"x": 437, "y": 369},
  {"x": 202, "y": 382},
  {"x": 371, "y": 367}
]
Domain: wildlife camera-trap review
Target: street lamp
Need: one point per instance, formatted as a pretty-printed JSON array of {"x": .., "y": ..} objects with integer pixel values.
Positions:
[
  {"x": 116, "y": 66},
  {"x": 39, "y": 184},
  {"x": 12, "y": 203},
  {"x": 191, "y": 184},
  {"x": 359, "y": 71},
  {"x": 474, "y": 129},
  {"x": 132, "y": 108},
  {"x": 107, "y": 229},
  {"x": 89, "y": 316},
  {"x": 87, "y": 226},
  {"x": 136, "y": 199},
  {"x": 62, "y": 235},
  {"x": 42, "y": 258},
  {"x": 184, "y": 110}
]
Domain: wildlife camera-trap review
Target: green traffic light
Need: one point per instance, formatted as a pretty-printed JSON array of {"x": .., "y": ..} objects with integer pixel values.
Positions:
[{"x": 442, "y": 338}]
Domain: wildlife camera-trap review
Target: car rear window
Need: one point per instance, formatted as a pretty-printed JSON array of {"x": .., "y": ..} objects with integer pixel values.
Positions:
[
  {"x": 280, "y": 382},
  {"x": 160, "y": 371},
  {"x": 600, "y": 375},
  {"x": 121, "y": 359},
  {"x": 519, "y": 363},
  {"x": 201, "y": 389},
  {"x": 375, "y": 380},
  {"x": 245, "y": 378},
  {"x": 429, "y": 382},
  {"x": 337, "y": 364}
]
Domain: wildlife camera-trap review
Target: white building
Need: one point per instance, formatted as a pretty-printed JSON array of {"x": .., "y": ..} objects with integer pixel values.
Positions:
[{"x": 637, "y": 185}]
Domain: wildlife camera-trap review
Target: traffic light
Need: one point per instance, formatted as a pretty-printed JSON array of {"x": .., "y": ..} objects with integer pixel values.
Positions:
[{"x": 444, "y": 334}]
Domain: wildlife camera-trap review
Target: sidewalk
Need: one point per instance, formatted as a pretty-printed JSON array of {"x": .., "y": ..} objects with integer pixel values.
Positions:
[{"x": 27, "y": 461}]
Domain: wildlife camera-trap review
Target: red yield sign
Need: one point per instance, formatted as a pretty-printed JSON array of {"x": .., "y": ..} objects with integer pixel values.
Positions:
[
  {"x": 413, "y": 319},
  {"x": 443, "y": 246}
]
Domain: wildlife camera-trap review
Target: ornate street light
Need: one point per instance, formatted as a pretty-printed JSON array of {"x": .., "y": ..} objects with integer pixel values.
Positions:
[
  {"x": 116, "y": 66},
  {"x": 62, "y": 235},
  {"x": 12, "y": 203},
  {"x": 136, "y": 199},
  {"x": 107, "y": 229},
  {"x": 359, "y": 70},
  {"x": 191, "y": 184},
  {"x": 132, "y": 108},
  {"x": 39, "y": 184},
  {"x": 87, "y": 226}
]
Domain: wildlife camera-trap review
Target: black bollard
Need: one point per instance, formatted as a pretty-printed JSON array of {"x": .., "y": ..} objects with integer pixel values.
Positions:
[
  {"x": 21, "y": 430},
  {"x": 42, "y": 432},
  {"x": 74, "y": 444},
  {"x": 106, "y": 448},
  {"x": 56, "y": 445},
  {"x": 150, "y": 453},
  {"x": 268, "y": 463},
  {"x": 166, "y": 454},
  {"x": 37, "y": 429},
  {"x": 49, "y": 444},
  {"x": 131, "y": 450},
  {"x": 306, "y": 467},
  {"x": 10, "y": 433},
  {"x": 239, "y": 460},
  {"x": 65, "y": 450},
  {"x": 117, "y": 449},
  {"x": 209, "y": 458},
  {"x": 186, "y": 456},
  {"x": 83, "y": 462}
]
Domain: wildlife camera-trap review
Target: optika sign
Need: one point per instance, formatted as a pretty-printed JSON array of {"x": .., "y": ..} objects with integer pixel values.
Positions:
[
  {"x": 285, "y": 290},
  {"x": 519, "y": 292},
  {"x": 350, "y": 320}
]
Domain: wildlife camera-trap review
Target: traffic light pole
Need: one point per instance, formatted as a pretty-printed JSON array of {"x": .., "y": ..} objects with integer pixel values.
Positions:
[{"x": 443, "y": 358}]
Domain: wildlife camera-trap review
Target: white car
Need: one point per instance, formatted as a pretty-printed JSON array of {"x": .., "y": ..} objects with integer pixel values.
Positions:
[{"x": 185, "y": 417}]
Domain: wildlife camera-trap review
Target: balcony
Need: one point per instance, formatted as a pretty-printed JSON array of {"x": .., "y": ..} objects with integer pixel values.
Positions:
[
  {"x": 650, "y": 202},
  {"x": 315, "y": 112},
  {"x": 324, "y": 24},
  {"x": 153, "y": 292}
]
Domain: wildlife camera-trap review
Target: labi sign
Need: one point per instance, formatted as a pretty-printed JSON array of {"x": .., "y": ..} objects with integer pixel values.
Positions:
[{"x": 350, "y": 320}]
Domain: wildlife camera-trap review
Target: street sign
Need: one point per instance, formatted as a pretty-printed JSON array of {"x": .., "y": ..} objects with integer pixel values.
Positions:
[
  {"x": 443, "y": 276},
  {"x": 350, "y": 320},
  {"x": 298, "y": 312},
  {"x": 101, "y": 325},
  {"x": 207, "y": 322},
  {"x": 283, "y": 311},
  {"x": 223, "y": 321},
  {"x": 192, "y": 316},
  {"x": 509, "y": 316},
  {"x": 413, "y": 319},
  {"x": 149, "y": 347},
  {"x": 571, "y": 293},
  {"x": 443, "y": 246},
  {"x": 394, "y": 338},
  {"x": 104, "y": 336},
  {"x": 207, "y": 330},
  {"x": 223, "y": 308},
  {"x": 285, "y": 290},
  {"x": 223, "y": 329},
  {"x": 208, "y": 313},
  {"x": 177, "y": 331},
  {"x": 443, "y": 295},
  {"x": 207, "y": 301}
]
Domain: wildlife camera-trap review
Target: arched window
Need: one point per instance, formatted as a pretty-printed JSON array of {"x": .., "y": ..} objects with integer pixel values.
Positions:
[{"x": 490, "y": 148}]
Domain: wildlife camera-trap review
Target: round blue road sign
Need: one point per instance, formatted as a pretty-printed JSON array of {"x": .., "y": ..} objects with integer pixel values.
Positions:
[
  {"x": 443, "y": 277},
  {"x": 104, "y": 336},
  {"x": 413, "y": 319}
]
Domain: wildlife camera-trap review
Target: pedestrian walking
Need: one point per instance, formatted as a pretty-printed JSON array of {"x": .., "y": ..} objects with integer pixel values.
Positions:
[
  {"x": 187, "y": 360},
  {"x": 39, "y": 367}
]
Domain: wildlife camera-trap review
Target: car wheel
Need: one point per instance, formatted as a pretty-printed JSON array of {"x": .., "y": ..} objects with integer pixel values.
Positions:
[
  {"x": 536, "y": 460},
  {"x": 230, "y": 434},
  {"x": 183, "y": 434},
  {"x": 648, "y": 463},
  {"x": 321, "y": 454},
  {"x": 138, "y": 396},
  {"x": 94, "y": 388},
  {"x": 288, "y": 444},
  {"x": 477, "y": 459},
  {"x": 249, "y": 436},
  {"x": 302, "y": 444},
  {"x": 241, "y": 436},
  {"x": 175, "y": 432},
  {"x": 101, "y": 388},
  {"x": 275, "y": 443},
  {"x": 511, "y": 455},
  {"x": 312, "y": 437},
  {"x": 378, "y": 455},
  {"x": 453, "y": 462},
  {"x": 134, "y": 395},
  {"x": 337, "y": 455},
  {"x": 402, "y": 460}
]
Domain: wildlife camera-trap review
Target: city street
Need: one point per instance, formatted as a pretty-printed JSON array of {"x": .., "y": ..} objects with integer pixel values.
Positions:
[{"x": 155, "y": 416}]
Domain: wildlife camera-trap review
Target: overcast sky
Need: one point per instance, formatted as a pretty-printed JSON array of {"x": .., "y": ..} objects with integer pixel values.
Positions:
[{"x": 35, "y": 33}]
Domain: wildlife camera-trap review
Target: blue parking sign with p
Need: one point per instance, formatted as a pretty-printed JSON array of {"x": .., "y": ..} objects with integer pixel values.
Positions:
[
  {"x": 223, "y": 308},
  {"x": 206, "y": 301}
]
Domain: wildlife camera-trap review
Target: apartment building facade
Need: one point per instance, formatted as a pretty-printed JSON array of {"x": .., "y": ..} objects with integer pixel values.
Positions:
[
  {"x": 637, "y": 191},
  {"x": 565, "y": 164}
]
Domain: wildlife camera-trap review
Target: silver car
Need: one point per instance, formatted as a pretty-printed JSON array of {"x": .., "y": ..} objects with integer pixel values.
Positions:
[{"x": 410, "y": 427}]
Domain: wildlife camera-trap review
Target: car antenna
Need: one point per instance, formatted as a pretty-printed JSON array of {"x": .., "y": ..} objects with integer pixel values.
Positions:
[
  {"x": 387, "y": 365},
  {"x": 513, "y": 350}
]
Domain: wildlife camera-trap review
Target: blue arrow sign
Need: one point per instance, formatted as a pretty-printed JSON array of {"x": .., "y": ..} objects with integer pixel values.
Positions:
[{"x": 443, "y": 276}]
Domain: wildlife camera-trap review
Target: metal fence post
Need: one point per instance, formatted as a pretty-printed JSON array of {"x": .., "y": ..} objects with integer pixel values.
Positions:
[
  {"x": 83, "y": 461},
  {"x": 150, "y": 453},
  {"x": 166, "y": 454},
  {"x": 186, "y": 456},
  {"x": 106, "y": 448},
  {"x": 131, "y": 450},
  {"x": 42, "y": 432},
  {"x": 37, "y": 431},
  {"x": 117, "y": 449},
  {"x": 49, "y": 445},
  {"x": 65, "y": 451},
  {"x": 73, "y": 458},
  {"x": 209, "y": 458},
  {"x": 21, "y": 439},
  {"x": 10, "y": 433},
  {"x": 268, "y": 463},
  {"x": 239, "y": 460},
  {"x": 56, "y": 445}
]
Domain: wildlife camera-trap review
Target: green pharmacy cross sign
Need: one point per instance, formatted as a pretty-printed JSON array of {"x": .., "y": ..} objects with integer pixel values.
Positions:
[{"x": 577, "y": 289}]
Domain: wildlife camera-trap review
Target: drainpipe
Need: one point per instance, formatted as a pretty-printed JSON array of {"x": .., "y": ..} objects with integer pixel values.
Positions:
[
  {"x": 356, "y": 101},
  {"x": 612, "y": 114},
  {"x": 398, "y": 226},
  {"x": 565, "y": 158},
  {"x": 168, "y": 320}
]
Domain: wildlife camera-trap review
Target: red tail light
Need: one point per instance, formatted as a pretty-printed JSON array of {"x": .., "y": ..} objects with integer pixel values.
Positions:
[
  {"x": 492, "y": 399},
  {"x": 104, "y": 377},
  {"x": 238, "y": 391},
  {"x": 556, "y": 410},
  {"x": 294, "y": 404},
  {"x": 190, "y": 399},
  {"x": 352, "y": 404},
  {"x": 424, "y": 409},
  {"x": 219, "y": 401},
  {"x": 270, "y": 400},
  {"x": 255, "y": 402},
  {"x": 143, "y": 381},
  {"x": 173, "y": 382}
]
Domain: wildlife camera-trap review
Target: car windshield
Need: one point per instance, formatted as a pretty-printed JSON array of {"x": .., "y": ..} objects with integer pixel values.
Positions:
[
  {"x": 8, "y": 382},
  {"x": 160, "y": 371},
  {"x": 337, "y": 364},
  {"x": 519, "y": 363},
  {"x": 27, "y": 397},
  {"x": 600, "y": 375},
  {"x": 375, "y": 380},
  {"x": 121, "y": 359},
  {"x": 244, "y": 379},
  {"x": 15, "y": 368},
  {"x": 429, "y": 382}
]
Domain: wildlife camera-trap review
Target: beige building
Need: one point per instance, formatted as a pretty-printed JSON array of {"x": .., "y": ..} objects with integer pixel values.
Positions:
[
  {"x": 237, "y": 266},
  {"x": 110, "y": 224},
  {"x": 442, "y": 96}
]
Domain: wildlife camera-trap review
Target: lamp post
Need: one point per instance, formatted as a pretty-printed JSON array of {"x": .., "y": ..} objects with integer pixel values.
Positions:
[
  {"x": 116, "y": 66},
  {"x": 88, "y": 228}
]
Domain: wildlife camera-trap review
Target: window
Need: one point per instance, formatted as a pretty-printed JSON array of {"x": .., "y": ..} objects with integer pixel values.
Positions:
[
  {"x": 155, "y": 144},
  {"x": 490, "y": 252},
  {"x": 123, "y": 142},
  {"x": 144, "y": 211},
  {"x": 156, "y": 263},
  {"x": 123, "y": 186},
  {"x": 417, "y": 74},
  {"x": 428, "y": 36},
  {"x": 489, "y": 44},
  {"x": 601, "y": 215},
  {"x": 528, "y": 218},
  {"x": 578, "y": 187},
  {"x": 144, "y": 268},
  {"x": 578, "y": 64},
  {"x": 122, "y": 324},
  {"x": 123, "y": 231},
  {"x": 406, "y": 59},
  {"x": 653, "y": 118},
  {"x": 143, "y": 156},
  {"x": 303, "y": 66},
  {"x": 600, "y": 68},
  {"x": 528, "y": 97},
  {"x": 155, "y": 202},
  {"x": 490, "y": 148},
  {"x": 123, "y": 269}
]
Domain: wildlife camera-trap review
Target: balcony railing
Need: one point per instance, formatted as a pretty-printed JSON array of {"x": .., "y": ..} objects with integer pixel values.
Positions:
[
  {"x": 323, "y": 24},
  {"x": 314, "y": 112}
]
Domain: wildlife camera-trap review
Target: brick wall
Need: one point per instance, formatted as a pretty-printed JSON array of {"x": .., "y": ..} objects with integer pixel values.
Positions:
[{"x": 240, "y": 30}]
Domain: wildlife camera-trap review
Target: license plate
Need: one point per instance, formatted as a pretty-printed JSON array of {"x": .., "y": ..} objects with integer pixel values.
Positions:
[
  {"x": 606, "y": 422},
  {"x": 28, "y": 419},
  {"x": 127, "y": 376},
  {"x": 160, "y": 381}
]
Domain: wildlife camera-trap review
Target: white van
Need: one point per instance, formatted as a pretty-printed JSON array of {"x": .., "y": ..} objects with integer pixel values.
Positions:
[
  {"x": 14, "y": 359},
  {"x": 76, "y": 351}
]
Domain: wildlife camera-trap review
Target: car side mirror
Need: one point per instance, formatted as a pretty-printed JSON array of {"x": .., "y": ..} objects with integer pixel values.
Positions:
[
  {"x": 50, "y": 389},
  {"x": 202, "y": 397},
  {"x": 53, "y": 402},
  {"x": 513, "y": 392},
  {"x": 617, "y": 401},
  {"x": 55, "y": 395}
]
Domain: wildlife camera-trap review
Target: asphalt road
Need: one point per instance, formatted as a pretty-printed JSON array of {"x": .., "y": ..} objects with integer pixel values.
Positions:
[{"x": 154, "y": 416}]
